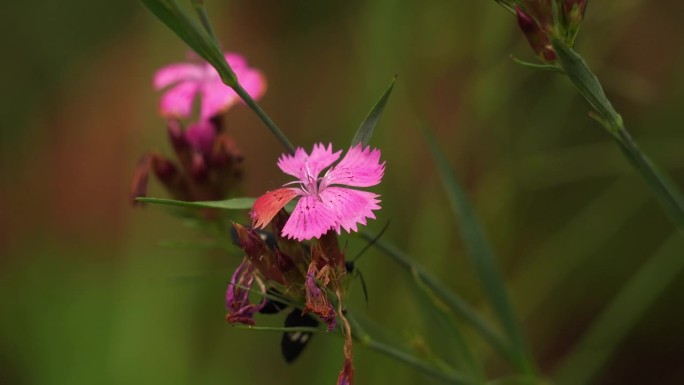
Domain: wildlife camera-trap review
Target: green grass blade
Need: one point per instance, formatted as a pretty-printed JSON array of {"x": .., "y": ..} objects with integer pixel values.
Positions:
[
  {"x": 482, "y": 257},
  {"x": 614, "y": 323},
  {"x": 193, "y": 35},
  {"x": 228, "y": 204},
  {"x": 365, "y": 131},
  {"x": 455, "y": 303}
]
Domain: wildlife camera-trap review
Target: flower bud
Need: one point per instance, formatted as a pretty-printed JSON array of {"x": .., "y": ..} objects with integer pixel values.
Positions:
[
  {"x": 573, "y": 13},
  {"x": 536, "y": 36}
]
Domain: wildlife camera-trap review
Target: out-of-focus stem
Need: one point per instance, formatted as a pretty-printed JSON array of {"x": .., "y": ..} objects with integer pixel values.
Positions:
[
  {"x": 455, "y": 303},
  {"x": 449, "y": 377}
]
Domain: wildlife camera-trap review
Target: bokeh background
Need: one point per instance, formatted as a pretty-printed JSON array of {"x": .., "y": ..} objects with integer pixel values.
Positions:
[{"x": 91, "y": 292}]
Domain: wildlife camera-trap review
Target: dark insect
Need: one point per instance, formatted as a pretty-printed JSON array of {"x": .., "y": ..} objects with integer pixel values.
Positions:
[
  {"x": 272, "y": 305},
  {"x": 293, "y": 343}
]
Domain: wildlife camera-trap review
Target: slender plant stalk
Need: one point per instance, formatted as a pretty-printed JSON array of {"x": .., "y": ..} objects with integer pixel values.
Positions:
[
  {"x": 577, "y": 70},
  {"x": 264, "y": 117},
  {"x": 458, "y": 305},
  {"x": 204, "y": 17},
  {"x": 601, "y": 339},
  {"x": 237, "y": 87},
  {"x": 450, "y": 376}
]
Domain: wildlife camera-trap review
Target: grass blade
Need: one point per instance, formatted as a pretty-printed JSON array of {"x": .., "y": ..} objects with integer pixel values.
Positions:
[
  {"x": 365, "y": 131},
  {"x": 482, "y": 257},
  {"x": 193, "y": 35}
]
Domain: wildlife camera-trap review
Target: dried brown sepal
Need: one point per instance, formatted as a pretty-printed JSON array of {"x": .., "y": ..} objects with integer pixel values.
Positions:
[{"x": 263, "y": 257}]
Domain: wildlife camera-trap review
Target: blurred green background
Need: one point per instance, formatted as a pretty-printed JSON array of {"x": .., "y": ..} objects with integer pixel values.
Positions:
[{"x": 90, "y": 294}]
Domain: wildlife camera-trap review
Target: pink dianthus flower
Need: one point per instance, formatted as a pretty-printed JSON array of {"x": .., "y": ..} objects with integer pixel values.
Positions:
[
  {"x": 186, "y": 80},
  {"x": 325, "y": 203}
]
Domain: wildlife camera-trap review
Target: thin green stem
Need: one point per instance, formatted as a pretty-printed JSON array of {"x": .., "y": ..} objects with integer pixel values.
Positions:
[
  {"x": 633, "y": 300},
  {"x": 237, "y": 87},
  {"x": 204, "y": 18},
  {"x": 449, "y": 376},
  {"x": 264, "y": 117},
  {"x": 458, "y": 305},
  {"x": 279, "y": 328},
  {"x": 666, "y": 191},
  {"x": 577, "y": 70}
]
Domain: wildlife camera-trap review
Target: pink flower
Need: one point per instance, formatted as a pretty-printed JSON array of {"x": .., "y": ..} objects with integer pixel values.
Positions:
[
  {"x": 324, "y": 203},
  {"x": 186, "y": 80}
]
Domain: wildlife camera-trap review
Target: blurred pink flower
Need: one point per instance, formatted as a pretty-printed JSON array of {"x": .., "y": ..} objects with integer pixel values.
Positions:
[
  {"x": 324, "y": 203},
  {"x": 185, "y": 80}
]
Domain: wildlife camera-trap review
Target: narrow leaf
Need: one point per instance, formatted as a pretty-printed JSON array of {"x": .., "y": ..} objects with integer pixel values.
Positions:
[
  {"x": 193, "y": 35},
  {"x": 587, "y": 83},
  {"x": 228, "y": 204},
  {"x": 364, "y": 133},
  {"x": 482, "y": 256}
]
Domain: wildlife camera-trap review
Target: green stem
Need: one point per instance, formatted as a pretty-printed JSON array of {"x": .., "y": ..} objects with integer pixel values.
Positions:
[
  {"x": 264, "y": 117},
  {"x": 237, "y": 87},
  {"x": 577, "y": 70},
  {"x": 457, "y": 304},
  {"x": 204, "y": 18},
  {"x": 633, "y": 300},
  {"x": 449, "y": 376}
]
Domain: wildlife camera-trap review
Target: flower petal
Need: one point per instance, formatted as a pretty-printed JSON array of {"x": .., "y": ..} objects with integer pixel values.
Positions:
[
  {"x": 302, "y": 166},
  {"x": 360, "y": 168},
  {"x": 350, "y": 206},
  {"x": 175, "y": 73},
  {"x": 216, "y": 98},
  {"x": 177, "y": 101},
  {"x": 268, "y": 205},
  {"x": 310, "y": 219},
  {"x": 235, "y": 60}
]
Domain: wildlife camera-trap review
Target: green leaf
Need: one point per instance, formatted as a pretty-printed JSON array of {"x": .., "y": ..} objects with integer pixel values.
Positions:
[
  {"x": 193, "y": 35},
  {"x": 228, "y": 204},
  {"x": 587, "y": 84},
  {"x": 482, "y": 257},
  {"x": 364, "y": 133}
]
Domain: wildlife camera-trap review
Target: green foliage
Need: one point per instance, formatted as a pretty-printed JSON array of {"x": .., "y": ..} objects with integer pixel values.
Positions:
[
  {"x": 365, "y": 131},
  {"x": 482, "y": 256},
  {"x": 201, "y": 41}
]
